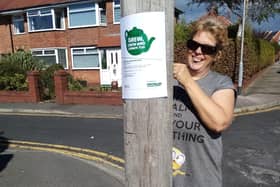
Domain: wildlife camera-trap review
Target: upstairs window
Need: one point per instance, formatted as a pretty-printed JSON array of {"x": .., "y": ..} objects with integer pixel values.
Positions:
[
  {"x": 45, "y": 19},
  {"x": 82, "y": 15},
  {"x": 102, "y": 12},
  {"x": 18, "y": 23},
  {"x": 59, "y": 18},
  {"x": 87, "y": 14},
  {"x": 117, "y": 11}
]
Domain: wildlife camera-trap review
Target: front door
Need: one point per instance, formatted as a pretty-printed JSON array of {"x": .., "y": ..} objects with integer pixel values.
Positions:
[{"x": 112, "y": 70}]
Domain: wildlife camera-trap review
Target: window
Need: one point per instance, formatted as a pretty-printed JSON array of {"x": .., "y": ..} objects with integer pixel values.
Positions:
[
  {"x": 59, "y": 18},
  {"x": 45, "y": 19},
  {"x": 85, "y": 58},
  {"x": 82, "y": 15},
  {"x": 102, "y": 12},
  {"x": 51, "y": 56},
  {"x": 18, "y": 22},
  {"x": 117, "y": 11},
  {"x": 87, "y": 14}
]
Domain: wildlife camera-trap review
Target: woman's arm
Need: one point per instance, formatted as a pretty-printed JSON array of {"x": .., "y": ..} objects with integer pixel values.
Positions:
[{"x": 216, "y": 111}]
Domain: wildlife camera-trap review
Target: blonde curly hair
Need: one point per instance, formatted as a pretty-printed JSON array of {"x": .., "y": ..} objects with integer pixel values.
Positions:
[{"x": 215, "y": 27}]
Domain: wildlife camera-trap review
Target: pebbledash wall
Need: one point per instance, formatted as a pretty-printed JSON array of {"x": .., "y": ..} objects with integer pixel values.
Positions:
[{"x": 102, "y": 36}]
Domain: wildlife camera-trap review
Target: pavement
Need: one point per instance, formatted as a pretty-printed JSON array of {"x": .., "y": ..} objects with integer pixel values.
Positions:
[{"x": 261, "y": 95}]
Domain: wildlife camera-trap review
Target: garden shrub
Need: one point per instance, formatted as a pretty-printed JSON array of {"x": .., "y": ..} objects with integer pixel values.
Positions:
[
  {"x": 47, "y": 81},
  {"x": 17, "y": 82},
  {"x": 75, "y": 85},
  {"x": 21, "y": 62},
  {"x": 14, "y": 68}
]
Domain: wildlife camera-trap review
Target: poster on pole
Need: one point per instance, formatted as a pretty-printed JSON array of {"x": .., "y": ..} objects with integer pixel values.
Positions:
[{"x": 143, "y": 51}]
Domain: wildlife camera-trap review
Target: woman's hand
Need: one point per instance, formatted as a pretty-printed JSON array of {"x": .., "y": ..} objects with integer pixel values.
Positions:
[{"x": 181, "y": 73}]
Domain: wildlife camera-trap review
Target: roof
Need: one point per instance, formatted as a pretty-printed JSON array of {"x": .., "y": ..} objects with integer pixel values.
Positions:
[
  {"x": 222, "y": 19},
  {"x": 273, "y": 36},
  {"x": 276, "y": 37},
  {"x": 11, "y": 5},
  {"x": 269, "y": 35}
]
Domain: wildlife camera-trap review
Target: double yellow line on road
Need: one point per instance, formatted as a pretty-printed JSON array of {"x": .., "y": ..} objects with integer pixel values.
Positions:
[
  {"x": 243, "y": 113},
  {"x": 87, "y": 154}
]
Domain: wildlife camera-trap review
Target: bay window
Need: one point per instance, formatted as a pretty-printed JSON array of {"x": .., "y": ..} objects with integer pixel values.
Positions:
[{"x": 45, "y": 19}]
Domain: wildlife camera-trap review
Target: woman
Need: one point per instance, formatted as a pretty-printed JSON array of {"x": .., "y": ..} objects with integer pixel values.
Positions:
[{"x": 203, "y": 108}]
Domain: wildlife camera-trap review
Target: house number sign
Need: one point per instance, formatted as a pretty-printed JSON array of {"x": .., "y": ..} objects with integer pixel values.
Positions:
[{"x": 143, "y": 47}]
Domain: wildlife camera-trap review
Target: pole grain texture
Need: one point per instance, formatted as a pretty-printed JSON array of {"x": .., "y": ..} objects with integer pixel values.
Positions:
[{"x": 147, "y": 122}]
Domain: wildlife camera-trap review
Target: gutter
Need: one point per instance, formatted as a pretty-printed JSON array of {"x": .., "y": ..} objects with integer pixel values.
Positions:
[{"x": 25, "y": 9}]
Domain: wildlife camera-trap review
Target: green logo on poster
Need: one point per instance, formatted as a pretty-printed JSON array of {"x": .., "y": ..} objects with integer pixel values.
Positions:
[{"x": 137, "y": 41}]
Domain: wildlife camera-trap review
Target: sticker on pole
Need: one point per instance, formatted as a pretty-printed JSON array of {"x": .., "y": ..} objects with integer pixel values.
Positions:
[{"x": 143, "y": 47}]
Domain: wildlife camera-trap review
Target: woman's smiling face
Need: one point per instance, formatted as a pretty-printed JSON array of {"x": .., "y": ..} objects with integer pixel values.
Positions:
[{"x": 198, "y": 62}]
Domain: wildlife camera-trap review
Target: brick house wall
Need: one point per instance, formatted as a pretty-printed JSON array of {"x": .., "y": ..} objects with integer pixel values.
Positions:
[
  {"x": 98, "y": 36},
  {"x": 5, "y": 31}
]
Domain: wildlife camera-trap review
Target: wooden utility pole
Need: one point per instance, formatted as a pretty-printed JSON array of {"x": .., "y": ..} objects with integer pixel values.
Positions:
[{"x": 147, "y": 122}]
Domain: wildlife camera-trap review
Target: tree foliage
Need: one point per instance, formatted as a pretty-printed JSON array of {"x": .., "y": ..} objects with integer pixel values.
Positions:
[
  {"x": 258, "y": 10},
  {"x": 182, "y": 33}
]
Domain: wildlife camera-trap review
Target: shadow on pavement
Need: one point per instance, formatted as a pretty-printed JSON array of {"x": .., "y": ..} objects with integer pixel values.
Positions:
[{"x": 4, "y": 158}]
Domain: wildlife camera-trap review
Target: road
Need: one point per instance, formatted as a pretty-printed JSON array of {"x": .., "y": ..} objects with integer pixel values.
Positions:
[
  {"x": 98, "y": 134},
  {"x": 252, "y": 151},
  {"x": 251, "y": 144},
  {"x": 44, "y": 167}
]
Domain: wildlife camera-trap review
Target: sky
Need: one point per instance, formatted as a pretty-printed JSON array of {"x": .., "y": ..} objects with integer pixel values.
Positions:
[{"x": 194, "y": 11}]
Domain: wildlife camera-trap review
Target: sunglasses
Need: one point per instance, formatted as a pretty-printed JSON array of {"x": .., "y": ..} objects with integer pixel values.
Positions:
[{"x": 206, "y": 49}]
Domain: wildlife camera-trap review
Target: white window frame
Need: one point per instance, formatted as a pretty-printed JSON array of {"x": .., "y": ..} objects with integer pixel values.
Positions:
[
  {"x": 55, "y": 54},
  {"x": 115, "y": 6},
  {"x": 52, "y": 14},
  {"x": 18, "y": 18},
  {"x": 84, "y": 52},
  {"x": 97, "y": 16}
]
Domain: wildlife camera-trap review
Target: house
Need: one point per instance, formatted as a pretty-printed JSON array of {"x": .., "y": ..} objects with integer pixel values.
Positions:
[
  {"x": 81, "y": 35},
  {"x": 272, "y": 36}
]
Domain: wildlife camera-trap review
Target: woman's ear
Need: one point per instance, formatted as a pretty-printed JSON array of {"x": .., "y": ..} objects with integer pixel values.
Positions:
[{"x": 218, "y": 55}]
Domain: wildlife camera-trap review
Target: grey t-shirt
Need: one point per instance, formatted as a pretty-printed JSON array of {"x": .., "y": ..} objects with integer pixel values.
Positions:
[{"x": 197, "y": 151}]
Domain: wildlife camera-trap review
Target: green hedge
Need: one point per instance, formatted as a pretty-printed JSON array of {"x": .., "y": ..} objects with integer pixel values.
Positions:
[{"x": 266, "y": 53}]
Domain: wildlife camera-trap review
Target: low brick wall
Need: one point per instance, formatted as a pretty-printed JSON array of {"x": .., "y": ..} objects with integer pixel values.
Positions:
[
  {"x": 91, "y": 97},
  {"x": 30, "y": 96},
  {"x": 64, "y": 96}
]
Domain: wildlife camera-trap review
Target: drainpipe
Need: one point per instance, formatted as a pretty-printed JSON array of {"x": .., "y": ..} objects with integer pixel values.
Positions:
[{"x": 11, "y": 34}]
